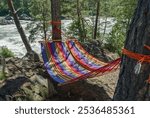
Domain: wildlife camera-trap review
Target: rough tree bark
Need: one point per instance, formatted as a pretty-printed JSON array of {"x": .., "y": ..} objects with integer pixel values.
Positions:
[
  {"x": 133, "y": 86},
  {"x": 3, "y": 63},
  {"x": 21, "y": 31},
  {"x": 56, "y": 18},
  {"x": 56, "y": 34},
  {"x": 96, "y": 20}
]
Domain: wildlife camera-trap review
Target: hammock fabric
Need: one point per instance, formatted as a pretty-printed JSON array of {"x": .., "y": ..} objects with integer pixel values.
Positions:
[{"x": 67, "y": 61}]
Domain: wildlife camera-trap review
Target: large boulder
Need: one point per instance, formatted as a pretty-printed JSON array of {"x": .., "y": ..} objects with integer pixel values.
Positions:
[
  {"x": 24, "y": 17},
  {"x": 6, "y": 20},
  {"x": 95, "y": 48}
]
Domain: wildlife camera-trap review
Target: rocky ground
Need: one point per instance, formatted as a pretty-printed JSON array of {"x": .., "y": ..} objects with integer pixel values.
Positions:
[{"x": 27, "y": 80}]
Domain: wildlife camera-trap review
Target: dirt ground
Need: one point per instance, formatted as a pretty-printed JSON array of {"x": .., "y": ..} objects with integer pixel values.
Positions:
[{"x": 95, "y": 89}]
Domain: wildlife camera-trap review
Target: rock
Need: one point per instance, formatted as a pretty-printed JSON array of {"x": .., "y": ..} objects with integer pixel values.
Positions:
[
  {"x": 24, "y": 17},
  {"x": 94, "y": 47},
  {"x": 42, "y": 87},
  {"x": 39, "y": 79},
  {"x": 8, "y": 17},
  {"x": 37, "y": 97},
  {"x": 29, "y": 74},
  {"x": 6, "y": 22},
  {"x": 35, "y": 91}
]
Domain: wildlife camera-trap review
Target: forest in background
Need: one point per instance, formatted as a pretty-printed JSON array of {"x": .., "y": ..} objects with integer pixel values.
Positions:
[{"x": 83, "y": 14}]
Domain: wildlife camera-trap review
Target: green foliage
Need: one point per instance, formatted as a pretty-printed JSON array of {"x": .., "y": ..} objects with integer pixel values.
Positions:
[
  {"x": 115, "y": 40},
  {"x": 2, "y": 76},
  {"x": 22, "y": 5},
  {"x": 122, "y": 12},
  {"x": 68, "y": 8},
  {"x": 74, "y": 30},
  {"x": 40, "y": 10},
  {"x": 3, "y": 8},
  {"x": 5, "y": 52}
]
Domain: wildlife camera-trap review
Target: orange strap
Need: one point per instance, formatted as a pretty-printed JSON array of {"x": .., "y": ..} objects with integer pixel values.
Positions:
[
  {"x": 139, "y": 57},
  {"x": 147, "y": 47},
  {"x": 55, "y": 22},
  {"x": 148, "y": 80}
]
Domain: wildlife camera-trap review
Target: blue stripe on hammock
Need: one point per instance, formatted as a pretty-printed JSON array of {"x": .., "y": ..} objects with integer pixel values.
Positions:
[
  {"x": 83, "y": 57},
  {"x": 71, "y": 60},
  {"x": 58, "y": 60},
  {"x": 46, "y": 64}
]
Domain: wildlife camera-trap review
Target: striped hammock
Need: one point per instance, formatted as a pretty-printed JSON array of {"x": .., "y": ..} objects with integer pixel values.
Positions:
[{"x": 67, "y": 61}]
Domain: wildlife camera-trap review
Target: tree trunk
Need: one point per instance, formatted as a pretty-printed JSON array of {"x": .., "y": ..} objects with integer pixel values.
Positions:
[
  {"x": 18, "y": 25},
  {"x": 56, "y": 19},
  {"x": 21, "y": 31},
  {"x": 79, "y": 21},
  {"x": 133, "y": 86},
  {"x": 96, "y": 20},
  {"x": 3, "y": 63}
]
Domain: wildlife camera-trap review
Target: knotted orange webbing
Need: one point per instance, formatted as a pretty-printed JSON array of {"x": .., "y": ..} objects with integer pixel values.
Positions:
[
  {"x": 55, "y": 22},
  {"x": 148, "y": 80},
  {"x": 147, "y": 47},
  {"x": 140, "y": 57}
]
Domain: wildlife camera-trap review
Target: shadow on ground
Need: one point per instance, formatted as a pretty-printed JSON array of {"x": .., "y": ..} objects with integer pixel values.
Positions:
[
  {"x": 79, "y": 91},
  {"x": 11, "y": 87}
]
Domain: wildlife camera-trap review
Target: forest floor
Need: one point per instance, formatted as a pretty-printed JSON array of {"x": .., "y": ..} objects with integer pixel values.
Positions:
[{"x": 26, "y": 80}]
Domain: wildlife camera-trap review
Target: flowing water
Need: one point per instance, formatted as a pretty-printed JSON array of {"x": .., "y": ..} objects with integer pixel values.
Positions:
[{"x": 10, "y": 37}]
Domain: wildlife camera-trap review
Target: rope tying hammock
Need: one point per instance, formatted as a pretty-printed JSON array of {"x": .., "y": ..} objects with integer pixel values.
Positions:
[
  {"x": 147, "y": 47},
  {"x": 140, "y": 57}
]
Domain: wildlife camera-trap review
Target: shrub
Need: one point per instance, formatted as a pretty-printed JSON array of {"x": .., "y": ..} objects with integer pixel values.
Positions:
[
  {"x": 115, "y": 40},
  {"x": 5, "y": 52},
  {"x": 2, "y": 76}
]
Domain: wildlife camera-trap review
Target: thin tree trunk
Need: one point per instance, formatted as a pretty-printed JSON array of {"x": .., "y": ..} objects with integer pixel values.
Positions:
[
  {"x": 132, "y": 86},
  {"x": 44, "y": 25},
  {"x": 21, "y": 31},
  {"x": 56, "y": 19},
  {"x": 3, "y": 63},
  {"x": 83, "y": 26},
  {"x": 79, "y": 20},
  {"x": 18, "y": 25},
  {"x": 105, "y": 26},
  {"x": 96, "y": 20}
]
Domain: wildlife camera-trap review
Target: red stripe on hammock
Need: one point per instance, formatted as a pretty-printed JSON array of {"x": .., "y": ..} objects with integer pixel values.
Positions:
[
  {"x": 76, "y": 57},
  {"x": 57, "y": 65},
  {"x": 66, "y": 60},
  {"x": 107, "y": 68}
]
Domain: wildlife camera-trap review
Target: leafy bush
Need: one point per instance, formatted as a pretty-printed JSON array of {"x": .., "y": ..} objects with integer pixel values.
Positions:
[
  {"x": 2, "y": 76},
  {"x": 115, "y": 40},
  {"x": 5, "y": 52}
]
